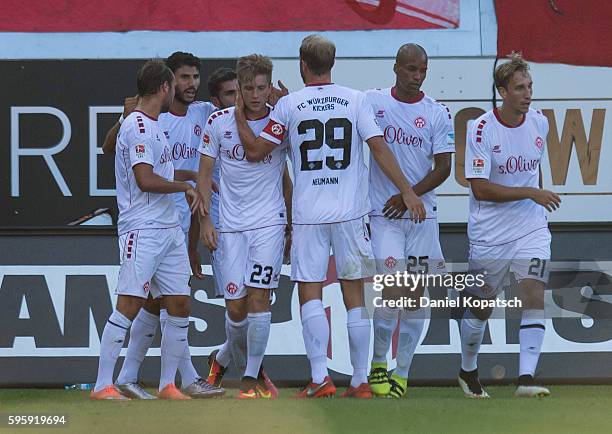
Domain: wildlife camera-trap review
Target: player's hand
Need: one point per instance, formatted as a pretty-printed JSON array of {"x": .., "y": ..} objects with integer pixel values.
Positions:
[
  {"x": 415, "y": 206},
  {"x": 287, "y": 251},
  {"x": 239, "y": 104},
  {"x": 208, "y": 234},
  {"x": 549, "y": 200},
  {"x": 195, "y": 201},
  {"x": 195, "y": 263},
  {"x": 215, "y": 187},
  {"x": 395, "y": 207},
  {"x": 277, "y": 93},
  {"x": 129, "y": 104}
]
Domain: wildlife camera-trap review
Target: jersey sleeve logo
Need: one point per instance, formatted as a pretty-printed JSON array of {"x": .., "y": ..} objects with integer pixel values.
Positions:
[
  {"x": 478, "y": 165},
  {"x": 206, "y": 139},
  {"x": 420, "y": 122},
  {"x": 140, "y": 151},
  {"x": 539, "y": 142},
  {"x": 277, "y": 129}
]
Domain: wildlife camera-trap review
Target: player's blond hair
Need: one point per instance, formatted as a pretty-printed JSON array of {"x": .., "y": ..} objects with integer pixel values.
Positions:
[
  {"x": 505, "y": 71},
  {"x": 248, "y": 67},
  {"x": 318, "y": 53}
]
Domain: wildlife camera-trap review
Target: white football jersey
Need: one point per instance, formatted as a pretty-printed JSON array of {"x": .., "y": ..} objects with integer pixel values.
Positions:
[
  {"x": 140, "y": 140},
  {"x": 507, "y": 156},
  {"x": 326, "y": 126},
  {"x": 250, "y": 194},
  {"x": 415, "y": 132},
  {"x": 184, "y": 133}
]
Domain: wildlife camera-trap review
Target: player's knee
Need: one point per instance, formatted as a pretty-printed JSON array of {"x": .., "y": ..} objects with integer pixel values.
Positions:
[
  {"x": 236, "y": 310},
  {"x": 259, "y": 300},
  {"x": 152, "y": 305},
  {"x": 482, "y": 313},
  {"x": 178, "y": 306},
  {"x": 129, "y": 306}
]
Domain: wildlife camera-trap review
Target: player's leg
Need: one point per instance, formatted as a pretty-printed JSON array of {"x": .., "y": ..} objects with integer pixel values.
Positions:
[
  {"x": 142, "y": 333},
  {"x": 354, "y": 262},
  {"x": 388, "y": 246},
  {"x": 309, "y": 259},
  {"x": 424, "y": 256},
  {"x": 262, "y": 275},
  {"x": 137, "y": 267},
  {"x": 489, "y": 262},
  {"x": 533, "y": 276}
]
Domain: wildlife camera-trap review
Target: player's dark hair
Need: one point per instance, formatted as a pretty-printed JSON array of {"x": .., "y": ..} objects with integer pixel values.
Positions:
[
  {"x": 219, "y": 76},
  {"x": 179, "y": 58},
  {"x": 151, "y": 76},
  {"x": 318, "y": 53},
  {"x": 247, "y": 67},
  {"x": 504, "y": 72}
]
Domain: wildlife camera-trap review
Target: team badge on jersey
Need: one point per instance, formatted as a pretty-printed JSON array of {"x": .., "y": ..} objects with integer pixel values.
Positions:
[
  {"x": 478, "y": 166},
  {"x": 145, "y": 287},
  {"x": 197, "y": 130},
  {"x": 419, "y": 122},
  {"x": 140, "y": 151},
  {"x": 539, "y": 142}
]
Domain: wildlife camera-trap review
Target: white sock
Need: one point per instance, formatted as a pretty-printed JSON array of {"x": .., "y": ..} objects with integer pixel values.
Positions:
[
  {"x": 163, "y": 317},
  {"x": 173, "y": 343},
  {"x": 257, "y": 341},
  {"x": 142, "y": 333},
  {"x": 188, "y": 372},
  {"x": 315, "y": 331},
  {"x": 531, "y": 336},
  {"x": 223, "y": 357},
  {"x": 385, "y": 321},
  {"x": 237, "y": 342},
  {"x": 358, "y": 325},
  {"x": 110, "y": 346},
  {"x": 411, "y": 327},
  {"x": 472, "y": 332}
]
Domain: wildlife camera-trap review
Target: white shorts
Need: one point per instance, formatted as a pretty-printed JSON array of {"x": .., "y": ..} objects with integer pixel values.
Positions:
[
  {"x": 252, "y": 258},
  {"x": 216, "y": 274},
  {"x": 349, "y": 241},
  {"x": 526, "y": 258},
  {"x": 403, "y": 245},
  {"x": 153, "y": 261}
]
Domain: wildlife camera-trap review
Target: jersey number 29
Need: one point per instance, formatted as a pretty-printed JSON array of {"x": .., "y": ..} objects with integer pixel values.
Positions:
[{"x": 326, "y": 131}]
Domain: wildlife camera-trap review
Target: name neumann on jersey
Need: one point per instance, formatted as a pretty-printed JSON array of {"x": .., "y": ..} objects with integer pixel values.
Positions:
[{"x": 325, "y": 181}]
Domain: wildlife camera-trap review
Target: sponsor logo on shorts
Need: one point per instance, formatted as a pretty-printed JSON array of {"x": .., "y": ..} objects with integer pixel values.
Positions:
[
  {"x": 440, "y": 265},
  {"x": 140, "y": 151},
  {"x": 231, "y": 288},
  {"x": 145, "y": 287},
  {"x": 539, "y": 142},
  {"x": 478, "y": 166},
  {"x": 419, "y": 122},
  {"x": 390, "y": 262},
  {"x": 197, "y": 130}
]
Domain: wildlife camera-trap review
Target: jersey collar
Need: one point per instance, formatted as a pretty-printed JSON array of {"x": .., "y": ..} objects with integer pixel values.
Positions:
[{"x": 411, "y": 101}]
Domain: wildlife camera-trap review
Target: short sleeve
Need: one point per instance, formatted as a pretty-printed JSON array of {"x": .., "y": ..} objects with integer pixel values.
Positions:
[
  {"x": 367, "y": 126},
  {"x": 443, "y": 136},
  {"x": 277, "y": 125},
  {"x": 543, "y": 124},
  {"x": 139, "y": 148},
  {"x": 477, "y": 152},
  {"x": 210, "y": 141}
]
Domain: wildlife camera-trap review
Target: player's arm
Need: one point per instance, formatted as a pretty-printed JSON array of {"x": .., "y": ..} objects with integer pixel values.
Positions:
[
  {"x": 255, "y": 148},
  {"x": 388, "y": 164},
  {"x": 485, "y": 190},
  {"x": 110, "y": 141},
  {"x": 288, "y": 194},
  {"x": 149, "y": 182},
  {"x": 185, "y": 175},
  {"x": 395, "y": 208},
  {"x": 208, "y": 234}
]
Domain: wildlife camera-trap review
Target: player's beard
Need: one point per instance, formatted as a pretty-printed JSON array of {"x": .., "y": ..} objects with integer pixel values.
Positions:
[{"x": 179, "y": 97}]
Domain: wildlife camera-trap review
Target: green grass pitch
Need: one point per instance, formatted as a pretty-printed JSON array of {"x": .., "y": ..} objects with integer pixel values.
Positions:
[{"x": 570, "y": 409}]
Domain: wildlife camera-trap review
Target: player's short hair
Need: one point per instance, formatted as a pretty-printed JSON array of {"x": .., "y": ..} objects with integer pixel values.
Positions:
[
  {"x": 318, "y": 53},
  {"x": 218, "y": 77},
  {"x": 504, "y": 72},
  {"x": 179, "y": 58},
  {"x": 151, "y": 76},
  {"x": 247, "y": 67}
]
